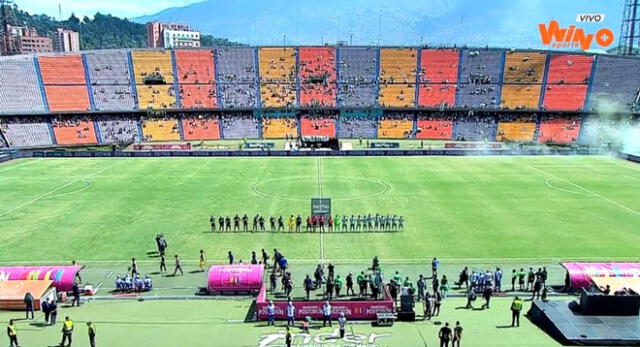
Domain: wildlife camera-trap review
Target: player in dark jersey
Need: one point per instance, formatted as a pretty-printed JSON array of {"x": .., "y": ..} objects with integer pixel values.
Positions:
[
  {"x": 212, "y": 221},
  {"x": 298, "y": 223},
  {"x": 280, "y": 224},
  {"x": 221, "y": 223},
  {"x": 254, "y": 226},
  {"x": 245, "y": 223},
  {"x": 344, "y": 223},
  {"x": 227, "y": 222},
  {"x": 236, "y": 223},
  {"x": 261, "y": 222}
]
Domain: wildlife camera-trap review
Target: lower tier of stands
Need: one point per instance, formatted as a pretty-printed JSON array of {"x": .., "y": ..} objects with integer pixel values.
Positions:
[
  {"x": 354, "y": 126},
  {"x": 198, "y": 96},
  {"x": 160, "y": 129},
  {"x": 435, "y": 128},
  {"x": 475, "y": 129},
  {"x": 318, "y": 126},
  {"x": 435, "y": 95},
  {"x": 67, "y": 98},
  {"x": 240, "y": 127},
  {"x": 278, "y": 128},
  {"x": 395, "y": 128},
  {"x": 118, "y": 130},
  {"x": 559, "y": 129},
  {"x": 74, "y": 131},
  {"x": 518, "y": 129},
  {"x": 200, "y": 128}
]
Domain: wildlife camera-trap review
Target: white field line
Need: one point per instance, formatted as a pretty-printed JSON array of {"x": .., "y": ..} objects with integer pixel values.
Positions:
[
  {"x": 588, "y": 191},
  {"x": 53, "y": 191},
  {"x": 318, "y": 164},
  {"x": 361, "y": 260},
  {"x": 547, "y": 182}
]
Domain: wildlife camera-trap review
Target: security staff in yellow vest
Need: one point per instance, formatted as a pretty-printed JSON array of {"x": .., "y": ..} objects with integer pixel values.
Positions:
[
  {"x": 67, "y": 331},
  {"x": 516, "y": 307},
  {"x": 91, "y": 329},
  {"x": 13, "y": 334}
]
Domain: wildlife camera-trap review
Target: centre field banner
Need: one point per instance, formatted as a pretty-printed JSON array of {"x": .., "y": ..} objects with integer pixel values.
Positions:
[
  {"x": 321, "y": 206},
  {"x": 235, "y": 278}
]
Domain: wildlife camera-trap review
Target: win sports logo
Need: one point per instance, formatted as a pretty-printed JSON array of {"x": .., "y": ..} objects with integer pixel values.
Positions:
[{"x": 572, "y": 37}]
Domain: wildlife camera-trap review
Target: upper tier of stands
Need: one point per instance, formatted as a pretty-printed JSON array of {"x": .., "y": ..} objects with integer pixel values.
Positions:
[
  {"x": 317, "y": 75},
  {"x": 195, "y": 67},
  {"x": 108, "y": 67},
  {"x": 19, "y": 88},
  {"x": 147, "y": 64},
  {"x": 615, "y": 83},
  {"x": 277, "y": 64},
  {"x": 524, "y": 67},
  {"x": 357, "y": 76},
  {"x": 439, "y": 66}
]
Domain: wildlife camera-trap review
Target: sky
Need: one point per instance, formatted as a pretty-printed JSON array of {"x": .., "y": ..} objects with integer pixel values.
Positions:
[{"x": 120, "y": 8}]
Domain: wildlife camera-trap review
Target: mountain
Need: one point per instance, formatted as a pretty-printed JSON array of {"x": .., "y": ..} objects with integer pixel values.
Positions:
[{"x": 504, "y": 23}]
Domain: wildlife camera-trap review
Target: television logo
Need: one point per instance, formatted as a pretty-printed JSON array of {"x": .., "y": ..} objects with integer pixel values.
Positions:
[
  {"x": 590, "y": 17},
  {"x": 555, "y": 36}
]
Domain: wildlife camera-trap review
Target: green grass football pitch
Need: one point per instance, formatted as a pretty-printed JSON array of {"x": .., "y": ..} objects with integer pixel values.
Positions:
[
  {"x": 477, "y": 211},
  {"x": 55, "y": 210}
]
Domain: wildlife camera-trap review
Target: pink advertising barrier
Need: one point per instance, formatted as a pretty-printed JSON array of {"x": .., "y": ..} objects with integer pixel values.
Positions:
[
  {"x": 223, "y": 278},
  {"x": 364, "y": 310},
  {"x": 62, "y": 276},
  {"x": 582, "y": 273}
]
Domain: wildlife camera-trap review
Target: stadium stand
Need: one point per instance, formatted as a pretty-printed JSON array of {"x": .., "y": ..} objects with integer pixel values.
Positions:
[
  {"x": 156, "y": 96},
  {"x": 357, "y": 78},
  {"x": 317, "y": 76},
  {"x": 277, "y": 66},
  {"x": 559, "y": 129},
  {"x": 110, "y": 81},
  {"x": 318, "y": 125},
  {"x": 240, "y": 126},
  {"x": 26, "y": 131},
  {"x": 397, "y": 77},
  {"x": 74, "y": 131},
  {"x": 236, "y": 69},
  {"x": 434, "y": 128},
  {"x": 604, "y": 130},
  {"x": 3, "y": 144},
  {"x": 196, "y": 78},
  {"x": 396, "y": 126},
  {"x": 516, "y": 128},
  {"x": 19, "y": 89},
  {"x": 276, "y": 125},
  {"x": 160, "y": 129},
  {"x": 118, "y": 129},
  {"x": 615, "y": 83},
  {"x": 64, "y": 82},
  {"x": 358, "y": 124},
  {"x": 479, "y": 83},
  {"x": 520, "y": 96},
  {"x": 153, "y": 72},
  {"x": 438, "y": 77},
  {"x": 524, "y": 67},
  {"x": 474, "y": 128},
  {"x": 567, "y": 81},
  {"x": 200, "y": 127}
]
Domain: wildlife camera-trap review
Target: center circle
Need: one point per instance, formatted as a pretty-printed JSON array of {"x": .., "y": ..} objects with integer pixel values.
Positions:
[{"x": 337, "y": 188}]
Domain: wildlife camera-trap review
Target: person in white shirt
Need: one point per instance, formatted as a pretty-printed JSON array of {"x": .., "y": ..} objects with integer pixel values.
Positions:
[
  {"x": 291, "y": 313},
  {"x": 271, "y": 313},
  {"x": 326, "y": 313}
]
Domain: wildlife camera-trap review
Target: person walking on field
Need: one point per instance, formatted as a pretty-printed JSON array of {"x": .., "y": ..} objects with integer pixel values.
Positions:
[
  {"x": 445, "y": 335},
  {"x": 12, "y": 332},
  {"x": 516, "y": 307},
  {"x": 91, "y": 330},
  {"x": 457, "y": 335},
  {"x": 203, "y": 260},
  {"x": 67, "y": 331},
  {"x": 178, "y": 266}
]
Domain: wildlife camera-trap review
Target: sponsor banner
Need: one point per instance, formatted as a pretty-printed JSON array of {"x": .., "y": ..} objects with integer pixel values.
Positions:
[
  {"x": 259, "y": 145},
  {"x": 384, "y": 145},
  {"x": 62, "y": 276},
  {"x": 162, "y": 147},
  {"x": 472, "y": 145},
  {"x": 235, "y": 278},
  {"x": 363, "y": 310},
  {"x": 582, "y": 274}
]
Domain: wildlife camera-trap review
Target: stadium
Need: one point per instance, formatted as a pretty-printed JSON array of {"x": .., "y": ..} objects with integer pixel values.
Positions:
[{"x": 397, "y": 163}]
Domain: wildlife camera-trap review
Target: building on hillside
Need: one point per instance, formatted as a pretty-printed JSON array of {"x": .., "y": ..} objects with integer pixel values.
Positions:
[
  {"x": 66, "y": 40},
  {"x": 26, "y": 41},
  {"x": 181, "y": 39},
  {"x": 156, "y": 34}
]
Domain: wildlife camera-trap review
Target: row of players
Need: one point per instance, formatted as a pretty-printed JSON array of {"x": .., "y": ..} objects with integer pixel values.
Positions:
[
  {"x": 134, "y": 284},
  {"x": 317, "y": 222}
]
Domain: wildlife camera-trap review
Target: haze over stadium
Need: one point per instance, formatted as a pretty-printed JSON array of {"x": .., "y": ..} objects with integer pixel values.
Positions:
[{"x": 365, "y": 173}]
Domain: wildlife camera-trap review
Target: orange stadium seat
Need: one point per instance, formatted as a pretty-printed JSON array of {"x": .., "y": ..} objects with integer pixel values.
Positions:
[
  {"x": 74, "y": 131},
  {"x": 278, "y": 95},
  {"x": 146, "y": 63},
  {"x": 434, "y": 95},
  {"x": 434, "y": 128},
  {"x": 559, "y": 130},
  {"x": 395, "y": 128},
  {"x": 569, "y": 69},
  {"x": 524, "y": 67},
  {"x": 195, "y": 67},
  {"x": 439, "y": 66},
  {"x": 200, "y": 128},
  {"x": 317, "y": 74},
  {"x": 277, "y": 128},
  {"x": 397, "y": 95},
  {"x": 277, "y": 64},
  {"x": 520, "y": 96},
  {"x": 160, "y": 129},
  {"x": 63, "y": 69},
  {"x": 519, "y": 129},
  {"x": 398, "y": 77},
  {"x": 318, "y": 126},
  {"x": 565, "y": 96},
  {"x": 197, "y": 96},
  {"x": 67, "y": 98}
]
